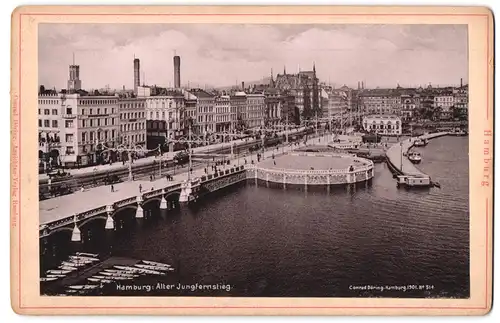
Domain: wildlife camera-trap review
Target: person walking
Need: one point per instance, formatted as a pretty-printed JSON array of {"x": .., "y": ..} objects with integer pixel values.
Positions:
[
  {"x": 140, "y": 188},
  {"x": 112, "y": 188}
]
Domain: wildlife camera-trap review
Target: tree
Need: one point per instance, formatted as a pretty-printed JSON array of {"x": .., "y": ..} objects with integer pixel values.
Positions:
[
  {"x": 455, "y": 112},
  {"x": 437, "y": 113}
]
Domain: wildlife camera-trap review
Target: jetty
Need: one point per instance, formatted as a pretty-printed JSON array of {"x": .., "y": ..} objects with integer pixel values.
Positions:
[{"x": 398, "y": 161}]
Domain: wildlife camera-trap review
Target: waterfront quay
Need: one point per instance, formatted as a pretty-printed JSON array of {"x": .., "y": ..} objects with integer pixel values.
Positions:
[
  {"x": 70, "y": 212},
  {"x": 400, "y": 163}
]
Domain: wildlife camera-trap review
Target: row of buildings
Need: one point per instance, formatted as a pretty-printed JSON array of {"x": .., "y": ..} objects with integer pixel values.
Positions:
[
  {"x": 76, "y": 125},
  {"x": 442, "y": 103}
]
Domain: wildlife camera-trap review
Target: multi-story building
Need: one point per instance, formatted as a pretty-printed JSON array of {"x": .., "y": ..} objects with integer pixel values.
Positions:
[
  {"x": 238, "y": 103},
  {"x": 95, "y": 121},
  {"x": 273, "y": 101},
  {"x": 304, "y": 86},
  {"x": 255, "y": 110},
  {"x": 383, "y": 124},
  {"x": 49, "y": 128},
  {"x": 223, "y": 114},
  {"x": 78, "y": 128},
  {"x": 461, "y": 100},
  {"x": 410, "y": 104},
  {"x": 380, "y": 101},
  {"x": 443, "y": 102},
  {"x": 205, "y": 111},
  {"x": 168, "y": 106},
  {"x": 132, "y": 121},
  {"x": 190, "y": 102},
  {"x": 337, "y": 103}
]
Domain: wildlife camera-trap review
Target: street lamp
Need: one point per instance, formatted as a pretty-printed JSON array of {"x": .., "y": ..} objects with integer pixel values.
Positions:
[
  {"x": 129, "y": 148},
  {"x": 191, "y": 139}
]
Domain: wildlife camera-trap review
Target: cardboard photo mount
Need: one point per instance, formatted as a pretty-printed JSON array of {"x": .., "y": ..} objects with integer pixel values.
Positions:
[{"x": 25, "y": 293}]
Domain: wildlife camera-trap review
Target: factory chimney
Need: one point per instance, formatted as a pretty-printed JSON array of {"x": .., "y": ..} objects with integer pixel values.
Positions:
[
  {"x": 137, "y": 75},
  {"x": 177, "y": 72}
]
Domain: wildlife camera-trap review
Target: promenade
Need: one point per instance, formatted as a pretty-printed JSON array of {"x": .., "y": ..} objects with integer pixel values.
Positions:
[
  {"x": 68, "y": 205},
  {"x": 401, "y": 162},
  {"x": 166, "y": 156}
]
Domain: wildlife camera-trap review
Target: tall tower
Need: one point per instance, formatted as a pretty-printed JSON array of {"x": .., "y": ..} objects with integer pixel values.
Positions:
[
  {"x": 137, "y": 74},
  {"x": 177, "y": 72},
  {"x": 74, "y": 82}
]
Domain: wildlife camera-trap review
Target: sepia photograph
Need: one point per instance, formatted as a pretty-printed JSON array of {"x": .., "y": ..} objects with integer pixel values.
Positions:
[{"x": 254, "y": 160}]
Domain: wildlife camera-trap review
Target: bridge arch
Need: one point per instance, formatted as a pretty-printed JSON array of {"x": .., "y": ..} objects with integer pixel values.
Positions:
[
  {"x": 172, "y": 194},
  {"x": 61, "y": 229},
  {"x": 132, "y": 206},
  {"x": 86, "y": 221}
]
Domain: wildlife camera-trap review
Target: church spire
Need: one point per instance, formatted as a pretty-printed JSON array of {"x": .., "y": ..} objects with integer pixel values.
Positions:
[{"x": 314, "y": 67}]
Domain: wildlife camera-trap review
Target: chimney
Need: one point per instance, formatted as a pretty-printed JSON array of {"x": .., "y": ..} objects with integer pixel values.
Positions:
[
  {"x": 461, "y": 84},
  {"x": 243, "y": 86},
  {"x": 137, "y": 77},
  {"x": 177, "y": 72}
]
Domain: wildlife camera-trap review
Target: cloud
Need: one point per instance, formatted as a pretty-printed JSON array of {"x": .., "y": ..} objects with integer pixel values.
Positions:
[{"x": 223, "y": 54}]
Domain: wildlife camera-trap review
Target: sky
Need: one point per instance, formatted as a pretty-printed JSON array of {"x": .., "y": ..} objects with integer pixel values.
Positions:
[{"x": 227, "y": 54}]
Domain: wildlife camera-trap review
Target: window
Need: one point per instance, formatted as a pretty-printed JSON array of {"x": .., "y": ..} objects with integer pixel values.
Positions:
[
  {"x": 69, "y": 111},
  {"x": 39, "y": 122},
  {"x": 83, "y": 111},
  {"x": 98, "y": 122},
  {"x": 105, "y": 121},
  {"x": 69, "y": 137},
  {"x": 90, "y": 111},
  {"x": 112, "y": 134},
  {"x": 91, "y": 135},
  {"x": 157, "y": 115},
  {"x": 46, "y": 112},
  {"x": 39, "y": 111},
  {"x": 105, "y": 110},
  {"x": 163, "y": 114},
  {"x": 54, "y": 123},
  {"x": 98, "y": 111},
  {"x": 54, "y": 112},
  {"x": 68, "y": 124},
  {"x": 46, "y": 123},
  {"x": 105, "y": 134},
  {"x": 84, "y": 136},
  {"x": 112, "y": 121}
]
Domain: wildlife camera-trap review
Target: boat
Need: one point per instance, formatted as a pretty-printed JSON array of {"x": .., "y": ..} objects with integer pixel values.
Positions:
[
  {"x": 58, "y": 272},
  {"x": 85, "y": 254},
  {"x": 414, "y": 181},
  {"x": 115, "y": 276},
  {"x": 420, "y": 142},
  {"x": 47, "y": 279},
  {"x": 83, "y": 258},
  {"x": 78, "y": 262},
  {"x": 73, "y": 264},
  {"x": 83, "y": 287},
  {"x": 152, "y": 263},
  {"x": 120, "y": 272},
  {"x": 67, "y": 268},
  {"x": 415, "y": 157},
  {"x": 458, "y": 132},
  {"x": 56, "y": 276},
  {"x": 156, "y": 268},
  {"x": 140, "y": 270},
  {"x": 99, "y": 280}
]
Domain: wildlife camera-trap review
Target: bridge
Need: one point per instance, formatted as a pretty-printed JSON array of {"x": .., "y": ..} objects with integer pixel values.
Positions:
[{"x": 70, "y": 213}]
